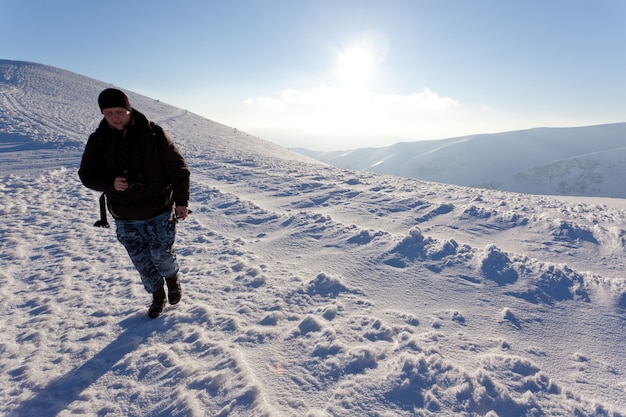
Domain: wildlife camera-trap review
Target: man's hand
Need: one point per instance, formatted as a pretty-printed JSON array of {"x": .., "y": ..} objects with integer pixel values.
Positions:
[
  {"x": 120, "y": 184},
  {"x": 181, "y": 212}
]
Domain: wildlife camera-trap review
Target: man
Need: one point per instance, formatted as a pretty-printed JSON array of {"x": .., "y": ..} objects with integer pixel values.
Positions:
[{"x": 146, "y": 181}]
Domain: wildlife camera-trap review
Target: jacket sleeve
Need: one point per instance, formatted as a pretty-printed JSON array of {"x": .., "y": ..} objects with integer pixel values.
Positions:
[
  {"x": 177, "y": 170},
  {"x": 92, "y": 171}
]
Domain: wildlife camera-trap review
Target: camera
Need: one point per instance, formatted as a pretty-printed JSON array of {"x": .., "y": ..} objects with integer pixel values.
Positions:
[{"x": 135, "y": 181}]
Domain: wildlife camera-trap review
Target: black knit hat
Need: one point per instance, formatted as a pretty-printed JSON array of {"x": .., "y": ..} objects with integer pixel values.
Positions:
[{"x": 112, "y": 97}]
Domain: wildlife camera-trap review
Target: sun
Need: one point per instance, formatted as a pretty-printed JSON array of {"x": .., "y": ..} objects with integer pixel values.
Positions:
[{"x": 356, "y": 64}]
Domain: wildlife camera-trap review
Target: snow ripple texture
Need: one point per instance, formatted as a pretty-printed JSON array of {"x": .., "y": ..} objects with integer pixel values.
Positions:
[{"x": 308, "y": 290}]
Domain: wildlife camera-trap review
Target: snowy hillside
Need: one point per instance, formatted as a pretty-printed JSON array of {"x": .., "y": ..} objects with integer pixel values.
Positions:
[
  {"x": 308, "y": 290},
  {"x": 583, "y": 161}
]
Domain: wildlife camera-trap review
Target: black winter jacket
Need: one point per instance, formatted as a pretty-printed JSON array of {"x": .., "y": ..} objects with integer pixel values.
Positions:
[{"x": 143, "y": 151}]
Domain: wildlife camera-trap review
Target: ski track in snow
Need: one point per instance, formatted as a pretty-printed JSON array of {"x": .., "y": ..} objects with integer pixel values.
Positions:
[{"x": 308, "y": 290}]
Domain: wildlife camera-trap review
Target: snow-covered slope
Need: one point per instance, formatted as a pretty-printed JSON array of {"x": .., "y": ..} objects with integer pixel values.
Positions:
[
  {"x": 308, "y": 290},
  {"x": 585, "y": 161}
]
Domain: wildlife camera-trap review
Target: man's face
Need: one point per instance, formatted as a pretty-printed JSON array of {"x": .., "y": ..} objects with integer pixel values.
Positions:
[{"x": 117, "y": 117}]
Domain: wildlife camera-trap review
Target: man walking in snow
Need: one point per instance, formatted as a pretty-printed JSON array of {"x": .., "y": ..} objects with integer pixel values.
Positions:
[{"x": 146, "y": 181}]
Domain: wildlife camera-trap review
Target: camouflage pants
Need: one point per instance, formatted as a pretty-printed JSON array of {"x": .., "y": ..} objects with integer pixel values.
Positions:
[{"x": 150, "y": 245}]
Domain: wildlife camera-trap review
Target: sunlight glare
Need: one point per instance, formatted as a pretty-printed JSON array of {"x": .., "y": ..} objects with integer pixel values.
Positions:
[
  {"x": 356, "y": 65},
  {"x": 358, "y": 61}
]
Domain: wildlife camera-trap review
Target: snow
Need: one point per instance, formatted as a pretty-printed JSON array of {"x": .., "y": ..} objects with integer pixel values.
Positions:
[{"x": 309, "y": 290}]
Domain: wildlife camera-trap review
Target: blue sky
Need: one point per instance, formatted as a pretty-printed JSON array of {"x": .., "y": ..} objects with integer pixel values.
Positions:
[{"x": 344, "y": 74}]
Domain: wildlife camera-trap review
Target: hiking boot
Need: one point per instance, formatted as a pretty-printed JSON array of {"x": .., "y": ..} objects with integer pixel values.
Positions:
[
  {"x": 158, "y": 303},
  {"x": 173, "y": 289}
]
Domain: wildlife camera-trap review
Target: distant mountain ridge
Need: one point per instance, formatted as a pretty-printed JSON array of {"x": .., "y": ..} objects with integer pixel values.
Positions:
[{"x": 580, "y": 161}]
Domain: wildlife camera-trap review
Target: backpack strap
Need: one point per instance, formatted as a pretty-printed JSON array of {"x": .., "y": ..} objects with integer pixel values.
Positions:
[{"x": 103, "y": 222}]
